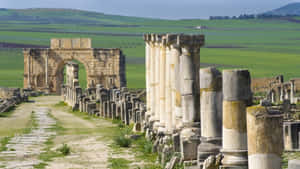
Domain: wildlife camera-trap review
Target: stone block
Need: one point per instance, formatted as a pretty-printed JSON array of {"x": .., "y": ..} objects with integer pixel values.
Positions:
[
  {"x": 55, "y": 43},
  {"x": 294, "y": 164},
  {"x": 189, "y": 141},
  {"x": 85, "y": 43}
]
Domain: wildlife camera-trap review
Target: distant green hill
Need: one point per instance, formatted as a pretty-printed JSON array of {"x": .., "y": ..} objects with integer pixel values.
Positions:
[
  {"x": 65, "y": 16},
  {"x": 290, "y": 9}
]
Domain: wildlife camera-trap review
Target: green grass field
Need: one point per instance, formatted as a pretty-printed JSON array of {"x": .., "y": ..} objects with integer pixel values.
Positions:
[{"x": 266, "y": 47}]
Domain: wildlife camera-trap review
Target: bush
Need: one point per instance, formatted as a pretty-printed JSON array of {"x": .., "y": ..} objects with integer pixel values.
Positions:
[
  {"x": 64, "y": 149},
  {"x": 122, "y": 140}
]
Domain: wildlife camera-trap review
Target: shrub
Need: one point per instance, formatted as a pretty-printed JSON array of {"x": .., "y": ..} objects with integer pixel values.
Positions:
[
  {"x": 122, "y": 140},
  {"x": 64, "y": 149}
]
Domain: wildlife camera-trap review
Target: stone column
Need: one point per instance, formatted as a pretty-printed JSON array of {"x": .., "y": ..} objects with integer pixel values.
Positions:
[
  {"x": 175, "y": 81},
  {"x": 281, "y": 93},
  {"x": 190, "y": 97},
  {"x": 157, "y": 79},
  {"x": 152, "y": 78},
  {"x": 272, "y": 96},
  {"x": 292, "y": 91},
  {"x": 168, "y": 86},
  {"x": 211, "y": 113},
  {"x": 46, "y": 71},
  {"x": 162, "y": 84},
  {"x": 28, "y": 75},
  {"x": 237, "y": 96},
  {"x": 148, "y": 50},
  {"x": 265, "y": 138}
]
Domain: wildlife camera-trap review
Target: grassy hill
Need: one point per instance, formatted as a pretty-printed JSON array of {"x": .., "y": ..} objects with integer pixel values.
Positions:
[
  {"x": 266, "y": 47},
  {"x": 58, "y": 16},
  {"x": 289, "y": 9}
]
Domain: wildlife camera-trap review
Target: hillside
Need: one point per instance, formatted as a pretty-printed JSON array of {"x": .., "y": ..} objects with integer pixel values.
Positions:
[
  {"x": 64, "y": 16},
  {"x": 290, "y": 9}
]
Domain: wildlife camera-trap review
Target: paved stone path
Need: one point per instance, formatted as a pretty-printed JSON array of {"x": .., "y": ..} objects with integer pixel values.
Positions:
[{"x": 23, "y": 150}]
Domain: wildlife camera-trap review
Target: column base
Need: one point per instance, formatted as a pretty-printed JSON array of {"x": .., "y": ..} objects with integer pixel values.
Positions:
[
  {"x": 208, "y": 147},
  {"x": 235, "y": 157}
]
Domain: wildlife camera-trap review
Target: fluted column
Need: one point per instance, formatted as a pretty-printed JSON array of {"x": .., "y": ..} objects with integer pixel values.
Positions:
[
  {"x": 148, "y": 72},
  {"x": 157, "y": 79},
  {"x": 169, "y": 122},
  {"x": 190, "y": 97},
  {"x": 292, "y": 91},
  {"x": 29, "y": 73},
  {"x": 176, "y": 85},
  {"x": 265, "y": 138},
  {"x": 237, "y": 96},
  {"x": 162, "y": 83},
  {"x": 211, "y": 113},
  {"x": 152, "y": 77}
]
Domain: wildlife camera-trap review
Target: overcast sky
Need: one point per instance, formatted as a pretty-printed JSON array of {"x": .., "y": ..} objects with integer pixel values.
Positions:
[{"x": 171, "y": 9}]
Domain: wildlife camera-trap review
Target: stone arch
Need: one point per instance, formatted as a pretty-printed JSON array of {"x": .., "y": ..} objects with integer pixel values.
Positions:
[
  {"x": 101, "y": 65},
  {"x": 59, "y": 69}
]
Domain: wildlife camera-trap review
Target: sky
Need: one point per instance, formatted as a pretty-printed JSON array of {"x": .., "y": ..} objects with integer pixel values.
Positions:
[{"x": 168, "y": 9}]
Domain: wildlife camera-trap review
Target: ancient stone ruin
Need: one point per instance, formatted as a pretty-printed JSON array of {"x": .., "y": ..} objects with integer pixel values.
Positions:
[
  {"x": 43, "y": 68},
  {"x": 10, "y": 97},
  {"x": 201, "y": 118}
]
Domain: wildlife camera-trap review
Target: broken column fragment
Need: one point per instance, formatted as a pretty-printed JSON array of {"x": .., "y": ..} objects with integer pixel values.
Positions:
[
  {"x": 236, "y": 97},
  {"x": 265, "y": 133},
  {"x": 211, "y": 113}
]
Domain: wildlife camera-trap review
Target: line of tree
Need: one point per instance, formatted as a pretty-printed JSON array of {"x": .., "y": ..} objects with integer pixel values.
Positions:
[{"x": 250, "y": 16}]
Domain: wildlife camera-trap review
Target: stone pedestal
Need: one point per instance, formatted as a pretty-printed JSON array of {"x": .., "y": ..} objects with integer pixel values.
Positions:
[
  {"x": 265, "y": 133},
  {"x": 237, "y": 96}
]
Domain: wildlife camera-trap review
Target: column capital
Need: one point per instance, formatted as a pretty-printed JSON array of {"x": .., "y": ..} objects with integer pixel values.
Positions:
[{"x": 190, "y": 41}]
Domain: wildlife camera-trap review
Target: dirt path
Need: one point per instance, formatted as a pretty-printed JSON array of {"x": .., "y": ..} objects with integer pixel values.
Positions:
[
  {"x": 90, "y": 139},
  {"x": 23, "y": 150}
]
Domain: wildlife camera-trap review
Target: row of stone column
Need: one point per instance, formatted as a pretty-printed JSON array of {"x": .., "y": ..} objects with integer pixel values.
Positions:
[
  {"x": 108, "y": 103},
  {"x": 251, "y": 135},
  {"x": 285, "y": 91},
  {"x": 172, "y": 62}
]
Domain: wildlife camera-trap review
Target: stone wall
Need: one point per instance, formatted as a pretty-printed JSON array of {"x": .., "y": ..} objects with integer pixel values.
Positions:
[{"x": 43, "y": 68}]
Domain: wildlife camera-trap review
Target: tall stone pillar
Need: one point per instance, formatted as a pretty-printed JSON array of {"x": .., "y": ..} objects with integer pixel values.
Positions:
[
  {"x": 29, "y": 73},
  {"x": 147, "y": 38},
  {"x": 162, "y": 84},
  {"x": 190, "y": 97},
  {"x": 170, "y": 78},
  {"x": 237, "y": 96},
  {"x": 281, "y": 93},
  {"x": 152, "y": 77},
  {"x": 211, "y": 113},
  {"x": 46, "y": 71},
  {"x": 292, "y": 95},
  {"x": 265, "y": 133},
  {"x": 157, "y": 79},
  {"x": 175, "y": 81}
]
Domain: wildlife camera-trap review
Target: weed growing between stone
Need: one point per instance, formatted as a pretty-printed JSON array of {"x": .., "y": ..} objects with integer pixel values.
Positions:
[{"x": 64, "y": 149}]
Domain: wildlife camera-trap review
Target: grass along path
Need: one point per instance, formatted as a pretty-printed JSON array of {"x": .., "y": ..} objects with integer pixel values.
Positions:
[{"x": 91, "y": 141}]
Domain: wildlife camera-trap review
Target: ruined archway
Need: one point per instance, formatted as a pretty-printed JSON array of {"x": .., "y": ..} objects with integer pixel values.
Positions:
[{"x": 43, "y": 67}]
